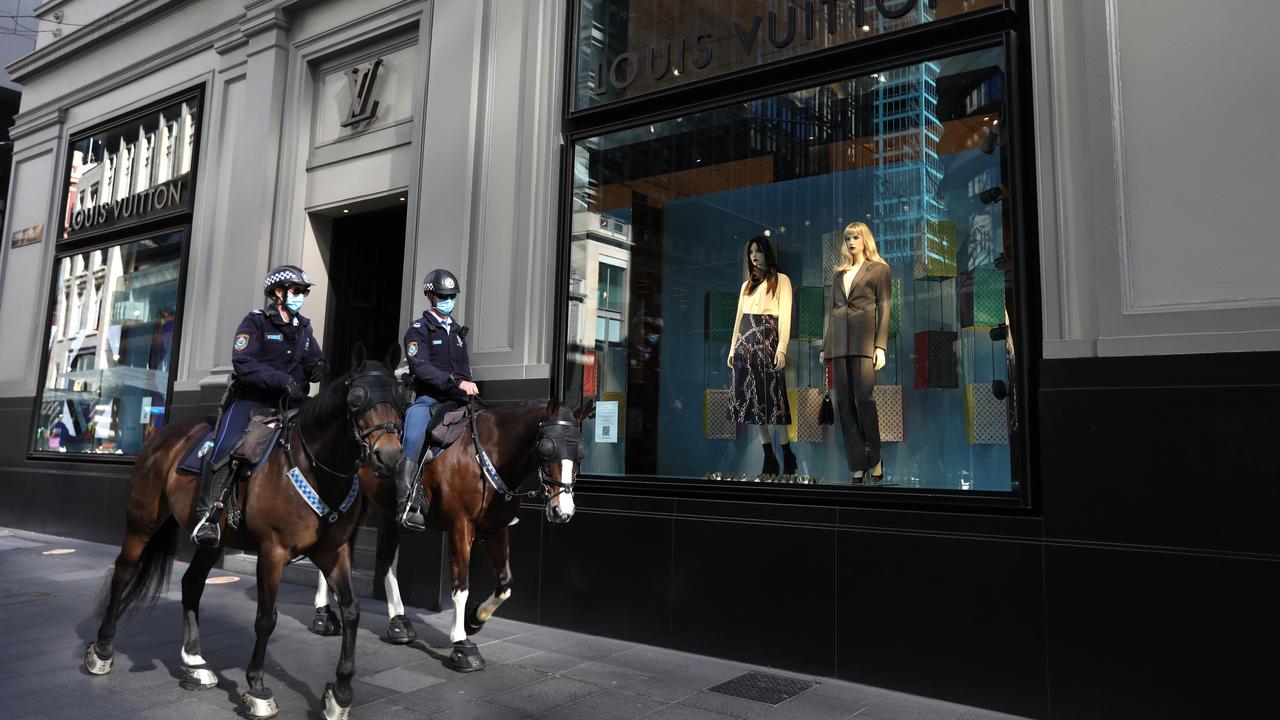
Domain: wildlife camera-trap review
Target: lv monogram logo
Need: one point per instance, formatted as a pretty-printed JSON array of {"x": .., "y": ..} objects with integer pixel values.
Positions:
[{"x": 361, "y": 79}]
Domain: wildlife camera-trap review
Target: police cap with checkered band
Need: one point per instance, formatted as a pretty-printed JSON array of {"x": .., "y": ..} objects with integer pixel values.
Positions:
[
  {"x": 441, "y": 283},
  {"x": 285, "y": 276}
]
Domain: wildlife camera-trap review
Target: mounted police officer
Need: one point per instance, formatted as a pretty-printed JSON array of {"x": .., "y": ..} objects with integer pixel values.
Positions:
[
  {"x": 274, "y": 355},
  {"x": 436, "y": 348}
]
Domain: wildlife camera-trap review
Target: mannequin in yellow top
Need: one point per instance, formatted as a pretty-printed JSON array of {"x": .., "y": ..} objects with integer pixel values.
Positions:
[{"x": 758, "y": 353}]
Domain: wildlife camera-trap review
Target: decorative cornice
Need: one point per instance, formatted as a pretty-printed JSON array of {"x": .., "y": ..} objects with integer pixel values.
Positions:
[
  {"x": 28, "y": 123},
  {"x": 119, "y": 22}
]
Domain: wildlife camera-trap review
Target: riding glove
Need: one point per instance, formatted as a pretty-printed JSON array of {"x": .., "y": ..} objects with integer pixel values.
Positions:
[
  {"x": 318, "y": 371},
  {"x": 296, "y": 391}
]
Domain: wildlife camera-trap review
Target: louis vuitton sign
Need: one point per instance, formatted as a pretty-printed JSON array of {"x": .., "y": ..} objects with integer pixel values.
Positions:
[{"x": 157, "y": 201}]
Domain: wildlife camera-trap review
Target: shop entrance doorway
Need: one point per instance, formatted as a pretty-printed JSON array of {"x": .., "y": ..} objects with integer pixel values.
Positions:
[{"x": 366, "y": 262}]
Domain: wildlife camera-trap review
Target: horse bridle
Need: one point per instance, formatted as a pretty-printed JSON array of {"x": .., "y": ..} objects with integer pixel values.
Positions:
[{"x": 375, "y": 388}]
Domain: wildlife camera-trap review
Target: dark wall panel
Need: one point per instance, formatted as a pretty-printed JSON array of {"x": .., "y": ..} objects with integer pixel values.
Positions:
[
  {"x": 946, "y": 617},
  {"x": 1137, "y": 634}
]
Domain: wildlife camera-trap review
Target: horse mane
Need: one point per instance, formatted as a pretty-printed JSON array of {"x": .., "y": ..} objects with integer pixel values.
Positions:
[{"x": 332, "y": 398}]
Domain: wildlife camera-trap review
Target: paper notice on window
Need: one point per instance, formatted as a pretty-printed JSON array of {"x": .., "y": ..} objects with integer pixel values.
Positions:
[
  {"x": 146, "y": 411},
  {"x": 607, "y": 422}
]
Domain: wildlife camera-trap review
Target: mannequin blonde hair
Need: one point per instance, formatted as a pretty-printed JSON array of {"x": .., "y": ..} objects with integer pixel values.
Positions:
[{"x": 870, "y": 251}]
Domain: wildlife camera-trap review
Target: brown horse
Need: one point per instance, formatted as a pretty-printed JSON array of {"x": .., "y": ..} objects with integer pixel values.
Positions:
[
  {"x": 354, "y": 418},
  {"x": 521, "y": 440}
]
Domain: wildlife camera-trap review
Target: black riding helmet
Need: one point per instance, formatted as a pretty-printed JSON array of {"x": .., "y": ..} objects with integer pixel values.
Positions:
[
  {"x": 284, "y": 276},
  {"x": 441, "y": 283}
]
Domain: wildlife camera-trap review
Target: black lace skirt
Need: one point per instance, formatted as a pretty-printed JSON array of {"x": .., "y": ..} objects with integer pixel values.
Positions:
[{"x": 759, "y": 391}]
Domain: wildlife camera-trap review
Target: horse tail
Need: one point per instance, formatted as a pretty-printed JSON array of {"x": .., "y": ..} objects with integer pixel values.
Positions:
[{"x": 151, "y": 574}]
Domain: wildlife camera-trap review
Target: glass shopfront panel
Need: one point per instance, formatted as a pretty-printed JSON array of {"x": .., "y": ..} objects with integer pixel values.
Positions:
[
  {"x": 110, "y": 346},
  {"x": 627, "y": 48},
  {"x": 662, "y": 216}
]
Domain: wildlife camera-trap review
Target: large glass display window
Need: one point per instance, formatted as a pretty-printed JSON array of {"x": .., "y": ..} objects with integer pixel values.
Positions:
[
  {"x": 110, "y": 347},
  {"x": 848, "y": 244},
  {"x": 115, "y": 303}
]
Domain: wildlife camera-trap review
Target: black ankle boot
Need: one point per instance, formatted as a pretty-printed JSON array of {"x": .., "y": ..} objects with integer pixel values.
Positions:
[
  {"x": 207, "y": 533},
  {"x": 788, "y": 460},
  {"x": 770, "y": 460},
  {"x": 411, "y": 510}
]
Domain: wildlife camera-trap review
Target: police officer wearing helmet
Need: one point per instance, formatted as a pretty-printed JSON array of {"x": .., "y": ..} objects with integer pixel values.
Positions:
[
  {"x": 274, "y": 355},
  {"x": 436, "y": 348}
]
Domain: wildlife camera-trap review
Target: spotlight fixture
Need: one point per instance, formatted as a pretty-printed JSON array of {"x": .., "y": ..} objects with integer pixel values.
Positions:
[
  {"x": 990, "y": 142},
  {"x": 999, "y": 333},
  {"x": 999, "y": 389},
  {"x": 991, "y": 195},
  {"x": 401, "y": 199},
  {"x": 345, "y": 211}
]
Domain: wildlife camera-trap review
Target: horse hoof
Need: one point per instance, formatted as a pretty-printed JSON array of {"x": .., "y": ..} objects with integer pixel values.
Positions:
[
  {"x": 472, "y": 623},
  {"x": 263, "y": 706},
  {"x": 400, "y": 631},
  {"x": 197, "y": 678},
  {"x": 326, "y": 622},
  {"x": 466, "y": 657},
  {"x": 95, "y": 664},
  {"x": 332, "y": 710}
]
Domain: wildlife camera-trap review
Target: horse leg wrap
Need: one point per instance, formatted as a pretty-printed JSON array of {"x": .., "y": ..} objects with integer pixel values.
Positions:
[
  {"x": 466, "y": 657},
  {"x": 400, "y": 631},
  {"x": 95, "y": 664},
  {"x": 326, "y": 622},
  {"x": 260, "y": 703},
  {"x": 332, "y": 710}
]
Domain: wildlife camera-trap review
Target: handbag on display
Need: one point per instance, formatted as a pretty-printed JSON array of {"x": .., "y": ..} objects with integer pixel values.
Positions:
[
  {"x": 980, "y": 298},
  {"x": 720, "y": 310},
  {"x": 717, "y": 416},
  {"x": 933, "y": 251},
  {"x": 810, "y": 313},
  {"x": 890, "y": 408},
  {"x": 936, "y": 360},
  {"x": 985, "y": 415}
]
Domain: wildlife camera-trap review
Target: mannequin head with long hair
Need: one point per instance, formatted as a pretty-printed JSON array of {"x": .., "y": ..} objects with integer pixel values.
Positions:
[
  {"x": 763, "y": 268},
  {"x": 859, "y": 235}
]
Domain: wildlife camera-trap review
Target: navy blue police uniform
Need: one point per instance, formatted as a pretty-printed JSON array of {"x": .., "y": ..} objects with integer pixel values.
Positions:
[
  {"x": 438, "y": 361},
  {"x": 267, "y": 353}
]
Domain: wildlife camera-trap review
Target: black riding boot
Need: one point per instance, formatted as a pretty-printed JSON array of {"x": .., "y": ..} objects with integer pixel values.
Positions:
[
  {"x": 770, "y": 460},
  {"x": 208, "y": 510},
  {"x": 411, "y": 510}
]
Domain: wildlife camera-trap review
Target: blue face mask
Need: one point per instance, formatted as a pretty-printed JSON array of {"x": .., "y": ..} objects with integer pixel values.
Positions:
[
  {"x": 294, "y": 302},
  {"x": 445, "y": 305}
]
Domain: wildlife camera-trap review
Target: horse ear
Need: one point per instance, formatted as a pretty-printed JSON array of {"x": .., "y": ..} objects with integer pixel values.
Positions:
[
  {"x": 585, "y": 410},
  {"x": 358, "y": 357},
  {"x": 392, "y": 360},
  {"x": 553, "y": 407}
]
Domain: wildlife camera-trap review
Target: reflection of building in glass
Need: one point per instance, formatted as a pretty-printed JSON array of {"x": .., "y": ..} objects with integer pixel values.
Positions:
[
  {"x": 113, "y": 167},
  {"x": 908, "y": 169}
]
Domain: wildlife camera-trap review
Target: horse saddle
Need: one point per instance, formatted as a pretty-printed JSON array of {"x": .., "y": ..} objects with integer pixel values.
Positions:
[
  {"x": 448, "y": 420},
  {"x": 250, "y": 449}
]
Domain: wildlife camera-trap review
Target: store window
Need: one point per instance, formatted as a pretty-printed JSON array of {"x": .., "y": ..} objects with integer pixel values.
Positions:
[
  {"x": 106, "y": 382},
  {"x": 115, "y": 302},
  {"x": 626, "y": 49},
  {"x": 665, "y": 218}
]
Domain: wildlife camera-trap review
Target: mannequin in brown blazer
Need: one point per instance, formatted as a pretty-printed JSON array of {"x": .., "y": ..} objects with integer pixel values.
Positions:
[{"x": 855, "y": 339}]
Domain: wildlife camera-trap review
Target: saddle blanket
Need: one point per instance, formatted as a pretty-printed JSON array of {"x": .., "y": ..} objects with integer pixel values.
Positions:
[{"x": 201, "y": 449}]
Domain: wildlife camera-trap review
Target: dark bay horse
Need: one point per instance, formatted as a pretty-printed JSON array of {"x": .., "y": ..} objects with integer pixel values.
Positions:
[
  {"x": 521, "y": 440},
  {"x": 354, "y": 418}
]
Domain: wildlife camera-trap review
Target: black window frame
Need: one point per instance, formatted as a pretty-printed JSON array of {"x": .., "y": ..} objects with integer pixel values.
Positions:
[
  {"x": 180, "y": 222},
  {"x": 1008, "y": 26}
]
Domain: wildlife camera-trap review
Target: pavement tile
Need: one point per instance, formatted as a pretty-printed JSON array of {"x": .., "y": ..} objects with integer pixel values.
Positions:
[
  {"x": 504, "y": 651},
  {"x": 545, "y": 695},
  {"x": 811, "y": 706},
  {"x": 548, "y": 661},
  {"x": 401, "y": 680},
  {"x": 603, "y": 673},
  {"x": 484, "y": 710},
  {"x": 684, "y": 712},
  {"x": 611, "y": 704}
]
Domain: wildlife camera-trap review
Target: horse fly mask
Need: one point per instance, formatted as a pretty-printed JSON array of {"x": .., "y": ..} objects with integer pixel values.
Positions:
[
  {"x": 363, "y": 392},
  {"x": 558, "y": 440}
]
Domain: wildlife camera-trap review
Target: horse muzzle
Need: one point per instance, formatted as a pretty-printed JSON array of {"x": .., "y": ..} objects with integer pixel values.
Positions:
[{"x": 385, "y": 461}]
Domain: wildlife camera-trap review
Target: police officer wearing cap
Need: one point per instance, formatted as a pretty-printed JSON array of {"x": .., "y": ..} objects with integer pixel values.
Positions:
[
  {"x": 274, "y": 355},
  {"x": 436, "y": 348}
]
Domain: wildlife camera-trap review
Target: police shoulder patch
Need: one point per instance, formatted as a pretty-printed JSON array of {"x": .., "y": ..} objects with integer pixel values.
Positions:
[
  {"x": 413, "y": 349},
  {"x": 417, "y": 325},
  {"x": 242, "y": 341}
]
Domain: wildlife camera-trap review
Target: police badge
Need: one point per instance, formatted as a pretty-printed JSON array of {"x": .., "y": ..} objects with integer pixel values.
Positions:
[
  {"x": 413, "y": 349},
  {"x": 242, "y": 341}
]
